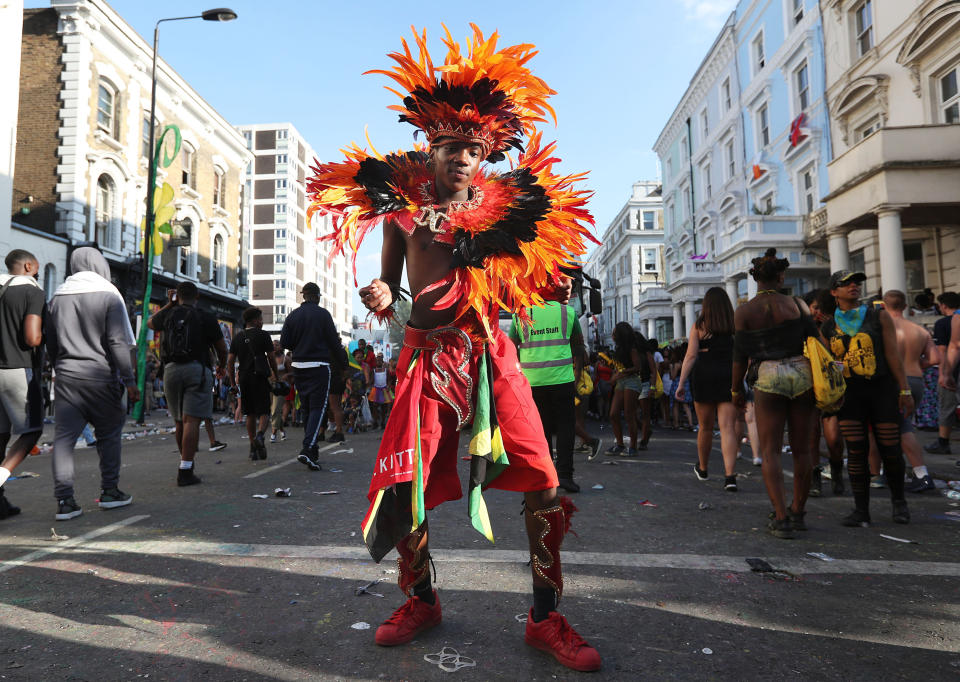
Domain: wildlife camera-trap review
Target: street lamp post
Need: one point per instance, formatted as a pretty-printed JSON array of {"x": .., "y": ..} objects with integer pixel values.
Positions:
[{"x": 218, "y": 14}]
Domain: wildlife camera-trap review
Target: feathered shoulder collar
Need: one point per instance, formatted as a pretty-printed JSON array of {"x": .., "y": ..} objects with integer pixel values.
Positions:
[{"x": 509, "y": 238}]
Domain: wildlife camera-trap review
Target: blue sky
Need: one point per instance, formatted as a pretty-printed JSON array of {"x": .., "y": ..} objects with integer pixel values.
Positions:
[{"x": 619, "y": 68}]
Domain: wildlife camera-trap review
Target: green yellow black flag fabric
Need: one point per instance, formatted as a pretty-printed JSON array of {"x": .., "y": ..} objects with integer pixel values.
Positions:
[{"x": 489, "y": 458}]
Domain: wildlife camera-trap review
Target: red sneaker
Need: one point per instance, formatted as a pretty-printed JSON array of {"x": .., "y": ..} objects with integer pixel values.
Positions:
[
  {"x": 555, "y": 636},
  {"x": 413, "y": 617}
]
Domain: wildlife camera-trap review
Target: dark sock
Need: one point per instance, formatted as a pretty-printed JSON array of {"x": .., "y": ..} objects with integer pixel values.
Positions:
[
  {"x": 544, "y": 602},
  {"x": 424, "y": 591}
]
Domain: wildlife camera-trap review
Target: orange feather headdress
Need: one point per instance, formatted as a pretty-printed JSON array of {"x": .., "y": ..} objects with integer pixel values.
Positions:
[{"x": 488, "y": 97}]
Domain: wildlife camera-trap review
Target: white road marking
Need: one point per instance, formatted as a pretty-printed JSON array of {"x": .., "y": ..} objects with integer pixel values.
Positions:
[
  {"x": 696, "y": 562},
  {"x": 69, "y": 544},
  {"x": 267, "y": 470}
]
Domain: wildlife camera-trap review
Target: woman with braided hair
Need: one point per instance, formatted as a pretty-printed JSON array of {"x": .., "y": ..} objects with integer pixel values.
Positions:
[{"x": 771, "y": 329}]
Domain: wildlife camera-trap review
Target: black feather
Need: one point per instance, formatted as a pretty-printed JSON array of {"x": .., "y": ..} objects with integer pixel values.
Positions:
[
  {"x": 530, "y": 206},
  {"x": 375, "y": 177}
]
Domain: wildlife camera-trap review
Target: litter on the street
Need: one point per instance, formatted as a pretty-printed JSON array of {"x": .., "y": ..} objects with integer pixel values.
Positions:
[
  {"x": 707, "y": 650},
  {"x": 646, "y": 503},
  {"x": 260, "y": 496},
  {"x": 611, "y": 463},
  {"x": 326, "y": 492},
  {"x": 521, "y": 617},
  {"x": 282, "y": 492},
  {"x": 821, "y": 556},
  {"x": 336, "y": 471},
  {"x": 365, "y": 589},
  {"x": 906, "y": 542},
  {"x": 598, "y": 486},
  {"x": 449, "y": 660},
  {"x": 25, "y": 474},
  {"x": 55, "y": 537},
  {"x": 703, "y": 506}
]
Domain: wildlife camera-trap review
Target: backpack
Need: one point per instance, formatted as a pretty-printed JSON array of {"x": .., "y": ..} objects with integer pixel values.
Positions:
[
  {"x": 177, "y": 336},
  {"x": 260, "y": 365}
]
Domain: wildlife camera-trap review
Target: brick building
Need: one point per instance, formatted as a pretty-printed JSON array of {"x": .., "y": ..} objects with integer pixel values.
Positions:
[
  {"x": 283, "y": 251},
  {"x": 82, "y": 155}
]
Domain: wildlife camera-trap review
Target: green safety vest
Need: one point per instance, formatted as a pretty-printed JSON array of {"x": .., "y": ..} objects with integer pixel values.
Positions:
[{"x": 545, "y": 356}]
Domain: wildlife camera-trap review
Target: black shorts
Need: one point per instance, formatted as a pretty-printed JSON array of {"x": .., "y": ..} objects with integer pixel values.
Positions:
[
  {"x": 871, "y": 401},
  {"x": 255, "y": 395}
]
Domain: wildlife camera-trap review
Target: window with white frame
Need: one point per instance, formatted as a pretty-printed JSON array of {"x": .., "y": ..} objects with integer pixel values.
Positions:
[
  {"x": 188, "y": 166},
  {"x": 725, "y": 101},
  {"x": 282, "y": 134},
  {"x": 282, "y": 159},
  {"x": 649, "y": 220},
  {"x": 684, "y": 148},
  {"x": 219, "y": 187},
  {"x": 797, "y": 12},
  {"x": 865, "y": 130},
  {"x": 280, "y": 234},
  {"x": 707, "y": 185},
  {"x": 808, "y": 189},
  {"x": 281, "y": 184},
  {"x": 248, "y": 136},
  {"x": 863, "y": 27},
  {"x": 106, "y": 202},
  {"x": 279, "y": 313},
  {"x": 801, "y": 80},
  {"x": 280, "y": 209},
  {"x": 686, "y": 202},
  {"x": 650, "y": 260},
  {"x": 219, "y": 273},
  {"x": 766, "y": 204},
  {"x": 704, "y": 125},
  {"x": 730, "y": 159},
  {"x": 183, "y": 260},
  {"x": 279, "y": 284},
  {"x": 756, "y": 50},
  {"x": 108, "y": 100},
  {"x": 949, "y": 96},
  {"x": 763, "y": 125},
  {"x": 145, "y": 138},
  {"x": 280, "y": 258}
]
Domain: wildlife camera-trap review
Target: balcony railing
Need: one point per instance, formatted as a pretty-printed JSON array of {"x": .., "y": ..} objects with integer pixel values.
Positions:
[
  {"x": 908, "y": 145},
  {"x": 704, "y": 269},
  {"x": 763, "y": 229}
]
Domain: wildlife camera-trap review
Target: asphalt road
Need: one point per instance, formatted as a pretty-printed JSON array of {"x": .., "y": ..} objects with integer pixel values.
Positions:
[{"x": 211, "y": 583}]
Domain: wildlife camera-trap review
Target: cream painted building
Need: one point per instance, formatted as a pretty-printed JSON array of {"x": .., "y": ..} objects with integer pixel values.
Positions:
[
  {"x": 893, "y": 209},
  {"x": 629, "y": 264},
  {"x": 82, "y": 155}
]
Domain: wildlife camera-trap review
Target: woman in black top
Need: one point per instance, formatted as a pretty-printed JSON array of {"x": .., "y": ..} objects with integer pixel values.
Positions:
[
  {"x": 771, "y": 330},
  {"x": 709, "y": 362},
  {"x": 865, "y": 339},
  {"x": 633, "y": 362}
]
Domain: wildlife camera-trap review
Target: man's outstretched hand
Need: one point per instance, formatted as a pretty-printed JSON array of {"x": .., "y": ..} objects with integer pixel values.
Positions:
[{"x": 376, "y": 296}]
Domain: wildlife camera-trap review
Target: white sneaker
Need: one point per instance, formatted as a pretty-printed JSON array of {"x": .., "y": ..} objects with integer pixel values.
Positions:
[
  {"x": 757, "y": 461},
  {"x": 273, "y": 438}
]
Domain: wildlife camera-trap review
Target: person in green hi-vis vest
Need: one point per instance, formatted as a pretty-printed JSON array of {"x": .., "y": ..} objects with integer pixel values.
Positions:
[{"x": 551, "y": 357}]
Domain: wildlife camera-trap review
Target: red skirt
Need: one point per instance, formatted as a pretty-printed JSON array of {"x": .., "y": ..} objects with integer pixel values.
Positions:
[{"x": 435, "y": 400}]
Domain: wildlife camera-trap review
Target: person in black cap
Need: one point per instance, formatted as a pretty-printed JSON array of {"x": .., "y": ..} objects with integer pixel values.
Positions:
[
  {"x": 310, "y": 334},
  {"x": 865, "y": 339}
]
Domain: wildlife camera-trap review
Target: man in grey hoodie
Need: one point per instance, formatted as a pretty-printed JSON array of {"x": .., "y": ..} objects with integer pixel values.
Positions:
[{"x": 89, "y": 340}]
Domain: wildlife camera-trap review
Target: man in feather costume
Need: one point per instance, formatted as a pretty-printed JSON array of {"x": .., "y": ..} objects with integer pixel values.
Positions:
[{"x": 473, "y": 242}]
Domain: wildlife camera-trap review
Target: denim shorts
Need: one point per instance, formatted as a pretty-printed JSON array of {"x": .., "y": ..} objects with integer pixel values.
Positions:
[
  {"x": 789, "y": 377},
  {"x": 633, "y": 383}
]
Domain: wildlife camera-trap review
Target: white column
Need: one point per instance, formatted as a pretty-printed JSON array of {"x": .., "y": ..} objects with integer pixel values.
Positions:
[
  {"x": 731, "y": 286},
  {"x": 751, "y": 287},
  {"x": 689, "y": 315},
  {"x": 677, "y": 322},
  {"x": 839, "y": 249},
  {"x": 651, "y": 328},
  {"x": 893, "y": 273}
]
